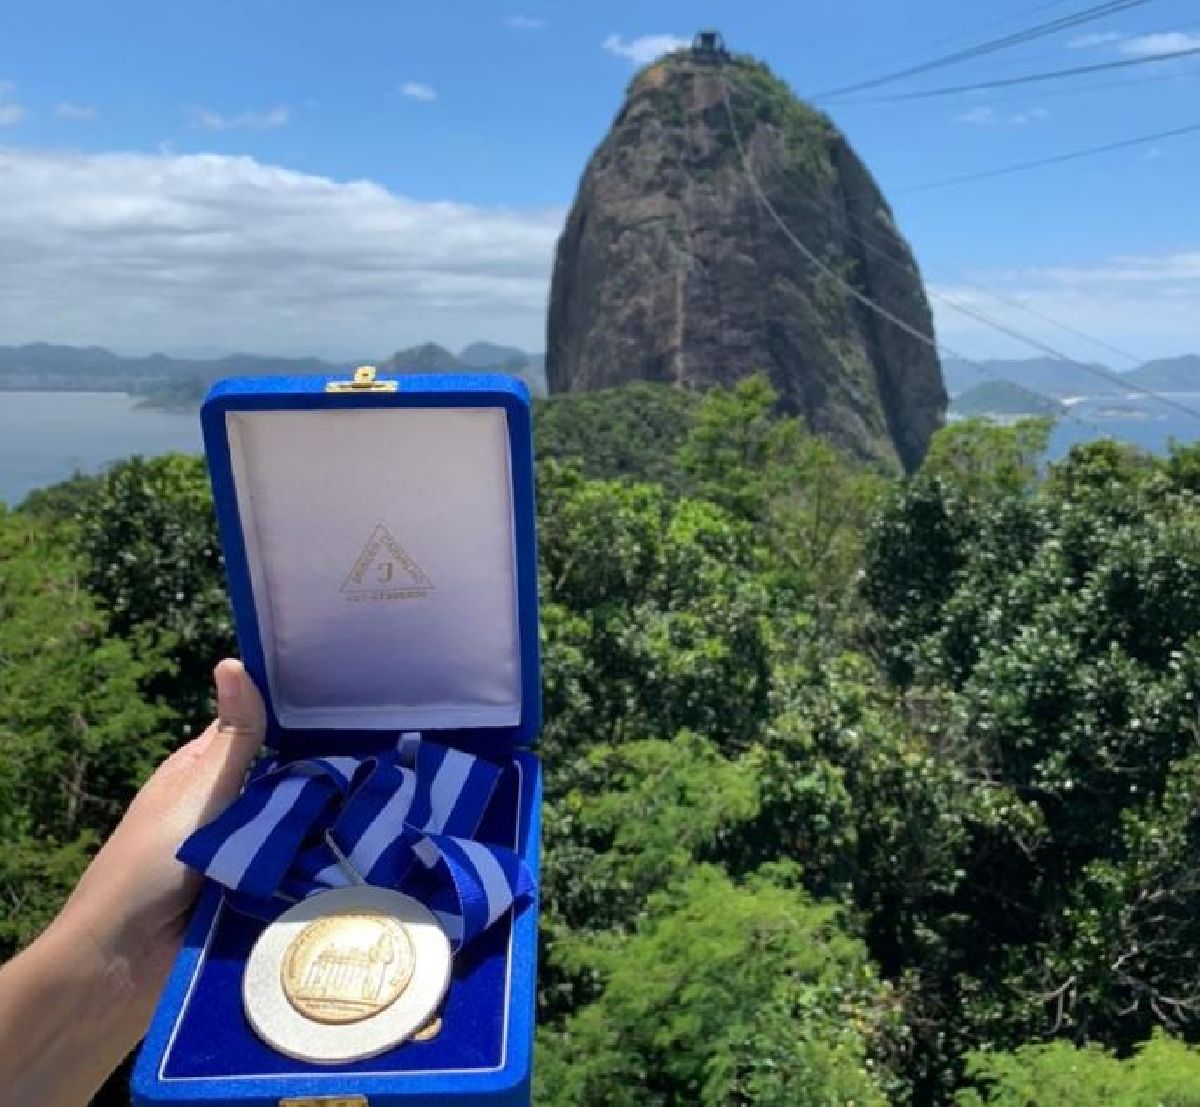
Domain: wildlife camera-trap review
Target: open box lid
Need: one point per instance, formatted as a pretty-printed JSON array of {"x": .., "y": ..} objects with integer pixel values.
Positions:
[{"x": 379, "y": 544}]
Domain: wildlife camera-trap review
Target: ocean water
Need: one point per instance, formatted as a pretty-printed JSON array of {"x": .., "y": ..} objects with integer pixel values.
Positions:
[
  {"x": 47, "y": 436},
  {"x": 1147, "y": 422}
]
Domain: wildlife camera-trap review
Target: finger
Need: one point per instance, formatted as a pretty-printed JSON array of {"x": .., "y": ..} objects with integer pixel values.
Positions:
[
  {"x": 241, "y": 722},
  {"x": 198, "y": 781}
]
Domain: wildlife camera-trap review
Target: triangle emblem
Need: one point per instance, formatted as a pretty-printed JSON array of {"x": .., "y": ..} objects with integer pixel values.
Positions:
[{"x": 384, "y": 571}]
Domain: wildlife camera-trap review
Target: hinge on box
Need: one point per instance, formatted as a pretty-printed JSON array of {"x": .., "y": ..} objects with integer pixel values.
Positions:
[
  {"x": 363, "y": 381},
  {"x": 326, "y": 1101}
]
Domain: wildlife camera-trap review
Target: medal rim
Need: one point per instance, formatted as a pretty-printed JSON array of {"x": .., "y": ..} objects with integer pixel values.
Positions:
[{"x": 278, "y": 1023}]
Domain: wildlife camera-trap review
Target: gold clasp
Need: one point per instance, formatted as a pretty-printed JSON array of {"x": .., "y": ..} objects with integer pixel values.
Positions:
[{"x": 364, "y": 380}]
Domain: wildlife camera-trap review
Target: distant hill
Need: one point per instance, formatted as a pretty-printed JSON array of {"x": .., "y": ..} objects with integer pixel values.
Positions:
[
  {"x": 529, "y": 367},
  {"x": 1003, "y": 398},
  {"x": 477, "y": 357},
  {"x": 1040, "y": 374},
  {"x": 177, "y": 382},
  {"x": 43, "y": 366},
  {"x": 427, "y": 358},
  {"x": 181, "y": 382},
  {"x": 487, "y": 355},
  {"x": 1061, "y": 379},
  {"x": 1169, "y": 374}
]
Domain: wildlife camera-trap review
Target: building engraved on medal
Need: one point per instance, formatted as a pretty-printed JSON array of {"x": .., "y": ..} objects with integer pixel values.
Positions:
[
  {"x": 385, "y": 571},
  {"x": 346, "y": 968}
]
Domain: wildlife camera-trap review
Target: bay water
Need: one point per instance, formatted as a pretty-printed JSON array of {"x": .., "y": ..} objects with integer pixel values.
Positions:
[{"x": 47, "y": 436}]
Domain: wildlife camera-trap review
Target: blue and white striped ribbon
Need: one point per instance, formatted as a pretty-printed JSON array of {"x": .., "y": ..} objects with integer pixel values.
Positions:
[{"x": 404, "y": 820}]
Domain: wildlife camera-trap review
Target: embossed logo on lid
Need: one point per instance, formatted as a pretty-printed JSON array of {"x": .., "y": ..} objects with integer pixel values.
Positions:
[{"x": 385, "y": 571}]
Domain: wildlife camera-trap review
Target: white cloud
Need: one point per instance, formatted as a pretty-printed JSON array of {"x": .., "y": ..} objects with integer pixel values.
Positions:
[
  {"x": 1150, "y": 304},
  {"x": 1139, "y": 46},
  {"x": 79, "y": 113},
  {"x": 267, "y": 120},
  {"x": 525, "y": 22},
  {"x": 1167, "y": 42},
  {"x": 10, "y": 111},
  {"x": 1123, "y": 269},
  {"x": 151, "y": 250},
  {"x": 1096, "y": 38},
  {"x": 1032, "y": 115},
  {"x": 987, "y": 117},
  {"x": 643, "y": 50},
  {"x": 978, "y": 117},
  {"x": 415, "y": 90}
]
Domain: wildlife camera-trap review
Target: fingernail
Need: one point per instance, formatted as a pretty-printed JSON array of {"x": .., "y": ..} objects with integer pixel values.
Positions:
[{"x": 229, "y": 686}]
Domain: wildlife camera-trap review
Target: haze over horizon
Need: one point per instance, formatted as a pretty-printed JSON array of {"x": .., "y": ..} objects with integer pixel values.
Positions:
[{"x": 333, "y": 185}]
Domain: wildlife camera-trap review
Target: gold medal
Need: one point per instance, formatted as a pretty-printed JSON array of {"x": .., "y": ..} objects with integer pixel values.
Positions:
[
  {"x": 347, "y": 967},
  {"x": 346, "y": 975}
]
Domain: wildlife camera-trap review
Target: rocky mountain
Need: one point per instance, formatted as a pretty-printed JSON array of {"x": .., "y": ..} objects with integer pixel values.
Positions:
[{"x": 670, "y": 268}]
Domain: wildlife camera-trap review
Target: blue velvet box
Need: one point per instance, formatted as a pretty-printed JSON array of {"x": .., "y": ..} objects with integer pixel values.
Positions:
[{"x": 382, "y": 563}]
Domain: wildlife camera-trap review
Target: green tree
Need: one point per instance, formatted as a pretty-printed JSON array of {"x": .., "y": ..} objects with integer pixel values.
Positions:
[
  {"x": 76, "y": 736},
  {"x": 1162, "y": 1073},
  {"x": 730, "y": 993},
  {"x": 63, "y": 501},
  {"x": 657, "y": 610},
  {"x": 1053, "y": 623},
  {"x": 153, "y": 560},
  {"x": 631, "y": 432},
  {"x": 809, "y": 503}
]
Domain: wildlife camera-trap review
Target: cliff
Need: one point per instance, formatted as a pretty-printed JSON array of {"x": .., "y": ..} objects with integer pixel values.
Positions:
[{"x": 671, "y": 269}]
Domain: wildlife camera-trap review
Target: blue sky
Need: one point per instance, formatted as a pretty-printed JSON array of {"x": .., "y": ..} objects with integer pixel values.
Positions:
[{"x": 348, "y": 178}]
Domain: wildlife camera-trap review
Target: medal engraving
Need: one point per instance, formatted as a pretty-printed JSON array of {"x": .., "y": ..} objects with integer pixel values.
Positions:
[
  {"x": 346, "y": 974},
  {"x": 347, "y": 967}
]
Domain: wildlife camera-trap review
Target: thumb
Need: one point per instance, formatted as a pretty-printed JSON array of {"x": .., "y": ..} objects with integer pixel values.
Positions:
[{"x": 241, "y": 723}]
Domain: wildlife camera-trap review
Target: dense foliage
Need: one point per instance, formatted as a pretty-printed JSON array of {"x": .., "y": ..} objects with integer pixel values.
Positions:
[
  {"x": 76, "y": 733},
  {"x": 858, "y": 789}
]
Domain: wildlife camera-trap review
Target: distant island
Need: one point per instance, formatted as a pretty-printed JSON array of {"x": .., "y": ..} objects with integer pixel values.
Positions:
[
  {"x": 1005, "y": 399},
  {"x": 179, "y": 384}
]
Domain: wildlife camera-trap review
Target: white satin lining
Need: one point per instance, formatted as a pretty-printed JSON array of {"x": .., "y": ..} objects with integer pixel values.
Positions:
[{"x": 381, "y": 554}]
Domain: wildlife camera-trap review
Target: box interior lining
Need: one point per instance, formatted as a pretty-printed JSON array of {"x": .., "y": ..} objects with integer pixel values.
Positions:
[{"x": 381, "y": 548}]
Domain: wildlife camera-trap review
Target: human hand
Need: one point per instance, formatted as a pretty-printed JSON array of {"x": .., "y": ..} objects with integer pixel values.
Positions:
[{"x": 80, "y": 997}]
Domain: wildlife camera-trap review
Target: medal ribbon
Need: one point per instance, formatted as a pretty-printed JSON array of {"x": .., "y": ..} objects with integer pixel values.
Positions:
[{"x": 405, "y": 820}]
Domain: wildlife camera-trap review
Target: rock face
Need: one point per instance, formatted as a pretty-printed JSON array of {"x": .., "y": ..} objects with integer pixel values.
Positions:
[{"x": 671, "y": 269}]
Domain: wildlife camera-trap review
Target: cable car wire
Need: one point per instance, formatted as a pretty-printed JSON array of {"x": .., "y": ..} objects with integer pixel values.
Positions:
[
  {"x": 1017, "y": 38},
  {"x": 1056, "y": 159},
  {"x": 1030, "y": 78},
  {"x": 903, "y": 325}
]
